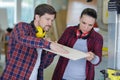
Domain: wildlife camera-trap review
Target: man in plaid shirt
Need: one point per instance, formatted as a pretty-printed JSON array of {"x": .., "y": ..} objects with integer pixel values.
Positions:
[{"x": 23, "y": 60}]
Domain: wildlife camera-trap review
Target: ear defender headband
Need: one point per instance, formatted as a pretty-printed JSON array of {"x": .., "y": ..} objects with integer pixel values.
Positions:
[
  {"x": 39, "y": 32},
  {"x": 79, "y": 34}
]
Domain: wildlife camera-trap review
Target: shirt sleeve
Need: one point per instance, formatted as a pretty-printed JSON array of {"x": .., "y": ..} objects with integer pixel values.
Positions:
[
  {"x": 22, "y": 35},
  {"x": 95, "y": 60}
]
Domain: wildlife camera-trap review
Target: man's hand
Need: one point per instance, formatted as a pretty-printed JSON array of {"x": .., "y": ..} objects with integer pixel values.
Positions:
[
  {"x": 91, "y": 56},
  {"x": 57, "y": 48},
  {"x": 48, "y": 39}
]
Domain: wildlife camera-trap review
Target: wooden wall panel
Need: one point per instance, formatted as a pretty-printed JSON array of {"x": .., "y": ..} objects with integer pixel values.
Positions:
[
  {"x": 59, "y": 25},
  {"x": 61, "y": 22}
]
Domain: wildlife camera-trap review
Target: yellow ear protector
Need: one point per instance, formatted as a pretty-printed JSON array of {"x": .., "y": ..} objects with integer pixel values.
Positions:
[{"x": 39, "y": 32}]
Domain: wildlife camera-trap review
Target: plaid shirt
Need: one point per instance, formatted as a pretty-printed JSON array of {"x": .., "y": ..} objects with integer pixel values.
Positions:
[
  {"x": 94, "y": 44},
  {"x": 22, "y": 54}
]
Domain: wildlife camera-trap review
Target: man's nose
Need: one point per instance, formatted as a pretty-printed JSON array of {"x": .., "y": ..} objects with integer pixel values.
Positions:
[{"x": 85, "y": 26}]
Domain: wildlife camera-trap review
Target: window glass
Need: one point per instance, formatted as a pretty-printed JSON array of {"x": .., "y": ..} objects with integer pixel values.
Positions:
[
  {"x": 9, "y": 6},
  {"x": 27, "y": 10},
  {"x": 7, "y": 0}
]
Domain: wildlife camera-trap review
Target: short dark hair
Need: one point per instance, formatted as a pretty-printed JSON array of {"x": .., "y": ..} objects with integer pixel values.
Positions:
[
  {"x": 90, "y": 12},
  {"x": 9, "y": 29},
  {"x": 44, "y": 8}
]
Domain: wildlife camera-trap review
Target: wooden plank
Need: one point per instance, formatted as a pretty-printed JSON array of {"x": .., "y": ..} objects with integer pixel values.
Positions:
[{"x": 73, "y": 53}]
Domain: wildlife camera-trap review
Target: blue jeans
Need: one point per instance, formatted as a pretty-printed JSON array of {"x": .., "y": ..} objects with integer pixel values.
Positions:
[{"x": 64, "y": 79}]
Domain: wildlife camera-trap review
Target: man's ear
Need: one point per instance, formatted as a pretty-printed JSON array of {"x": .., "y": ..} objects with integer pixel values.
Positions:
[{"x": 37, "y": 17}]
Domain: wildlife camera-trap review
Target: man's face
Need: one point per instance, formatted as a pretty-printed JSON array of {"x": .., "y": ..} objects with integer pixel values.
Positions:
[
  {"x": 46, "y": 21},
  {"x": 86, "y": 23}
]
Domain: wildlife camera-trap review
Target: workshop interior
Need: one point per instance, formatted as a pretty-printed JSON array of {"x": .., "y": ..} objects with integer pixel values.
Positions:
[{"x": 68, "y": 12}]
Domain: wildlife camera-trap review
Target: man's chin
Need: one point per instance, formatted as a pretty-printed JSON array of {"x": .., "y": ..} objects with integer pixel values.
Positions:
[{"x": 46, "y": 29}]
